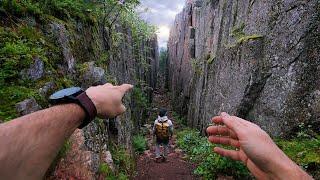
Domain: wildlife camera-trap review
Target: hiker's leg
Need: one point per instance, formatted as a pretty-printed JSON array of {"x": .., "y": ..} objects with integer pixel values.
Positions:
[
  {"x": 157, "y": 150},
  {"x": 165, "y": 149}
]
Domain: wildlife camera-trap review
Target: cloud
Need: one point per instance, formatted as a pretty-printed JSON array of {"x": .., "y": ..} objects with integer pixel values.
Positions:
[
  {"x": 161, "y": 13},
  {"x": 163, "y": 35}
]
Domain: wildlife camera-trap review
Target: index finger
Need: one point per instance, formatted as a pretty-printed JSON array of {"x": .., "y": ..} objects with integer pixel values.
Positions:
[
  {"x": 125, "y": 88},
  {"x": 229, "y": 121}
]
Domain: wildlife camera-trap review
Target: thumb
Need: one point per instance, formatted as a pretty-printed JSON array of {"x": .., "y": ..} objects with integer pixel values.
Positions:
[{"x": 122, "y": 109}]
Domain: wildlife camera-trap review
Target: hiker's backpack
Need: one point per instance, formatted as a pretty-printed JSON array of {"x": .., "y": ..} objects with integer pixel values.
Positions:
[{"x": 162, "y": 130}]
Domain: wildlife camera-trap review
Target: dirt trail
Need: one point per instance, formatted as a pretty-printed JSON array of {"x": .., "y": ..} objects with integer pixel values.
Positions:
[{"x": 176, "y": 166}]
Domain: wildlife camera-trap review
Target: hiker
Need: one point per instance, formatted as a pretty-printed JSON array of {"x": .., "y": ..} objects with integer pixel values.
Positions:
[
  {"x": 254, "y": 148},
  {"x": 163, "y": 130}
]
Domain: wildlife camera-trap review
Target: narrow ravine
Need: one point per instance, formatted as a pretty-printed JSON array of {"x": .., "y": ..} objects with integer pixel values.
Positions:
[{"x": 176, "y": 166}]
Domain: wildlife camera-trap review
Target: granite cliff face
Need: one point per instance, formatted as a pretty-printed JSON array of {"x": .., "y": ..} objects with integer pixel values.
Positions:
[
  {"x": 125, "y": 65},
  {"x": 69, "y": 51},
  {"x": 259, "y": 60}
]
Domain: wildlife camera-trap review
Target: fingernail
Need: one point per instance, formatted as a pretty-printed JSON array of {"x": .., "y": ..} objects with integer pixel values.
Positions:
[
  {"x": 224, "y": 114},
  {"x": 214, "y": 149}
]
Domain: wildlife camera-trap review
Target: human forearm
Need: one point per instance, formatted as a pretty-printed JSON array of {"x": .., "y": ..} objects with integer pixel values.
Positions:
[
  {"x": 30, "y": 143},
  {"x": 171, "y": 131},
  {"x": 33, "y": 141},
  {"x": 289, "y": 170}
]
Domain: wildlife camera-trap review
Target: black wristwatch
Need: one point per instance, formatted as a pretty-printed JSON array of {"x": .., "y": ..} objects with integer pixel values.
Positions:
[{"x": 78, "y": 96}]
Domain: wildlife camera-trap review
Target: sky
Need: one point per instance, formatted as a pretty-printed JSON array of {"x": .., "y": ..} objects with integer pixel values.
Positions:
[{"x": 161, "y": 13}]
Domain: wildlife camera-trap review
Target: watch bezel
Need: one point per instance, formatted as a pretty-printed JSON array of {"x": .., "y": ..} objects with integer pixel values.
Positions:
[{"x": 68, "y": 98}]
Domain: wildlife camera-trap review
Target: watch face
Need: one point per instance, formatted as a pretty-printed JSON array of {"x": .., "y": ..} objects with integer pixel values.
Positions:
[{"x": 66, "y": 92}]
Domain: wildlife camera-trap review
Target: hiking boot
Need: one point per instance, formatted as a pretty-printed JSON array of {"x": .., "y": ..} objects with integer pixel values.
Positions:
[
  {"x": 158, "y": 159},
  {"x": 164, "y": 159}
]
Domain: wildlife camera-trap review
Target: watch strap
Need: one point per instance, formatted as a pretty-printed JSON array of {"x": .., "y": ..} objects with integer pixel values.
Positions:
[{"x": 86, "y": 103}]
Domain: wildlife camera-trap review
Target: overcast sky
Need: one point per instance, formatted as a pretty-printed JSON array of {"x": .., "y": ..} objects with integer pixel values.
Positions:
[{"x": 161, "y": 13}]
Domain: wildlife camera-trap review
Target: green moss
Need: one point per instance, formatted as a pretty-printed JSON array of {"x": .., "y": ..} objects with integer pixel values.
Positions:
[
  {"x": 238, "y": 32},
  {"x": 22, "y": 44},
  {"x": 22, "y": 8},
  {"x": 248, "y": 38},
  {"x": 302, "y": 151},
  {"x": 241, "y": 37},
  {"x": 103, "y": 60},
  {"x": 111, "y": 79},
  {"x": 64, "y": 82},
  {"x": 82, "y": 68},
  {"x": 196, "y": 66},
  {"x": 10, "y": 95},
  {"x": 210, "y": 58},
  {"x": 244, "y": 39}
]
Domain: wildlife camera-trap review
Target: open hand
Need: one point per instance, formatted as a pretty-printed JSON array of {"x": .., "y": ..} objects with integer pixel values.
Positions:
[
  {"x": 108, "y": 99},
  {"x": 254, "y": 148}
]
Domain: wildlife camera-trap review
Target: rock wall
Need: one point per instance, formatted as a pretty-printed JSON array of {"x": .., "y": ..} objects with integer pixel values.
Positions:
[
  {"x": 81, "y": 53},
  {"x": 259, "y": 60},
  {"x": 124, "y": 64}
]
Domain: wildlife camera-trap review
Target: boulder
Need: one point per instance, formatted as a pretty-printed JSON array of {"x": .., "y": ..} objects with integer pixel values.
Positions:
[
  {"x": 27, "y": 106},
  {"x": 93, "y": 75},
  {"x": 107, "y": 158},
  {"x": 93, "y": 161},
  {"x": 61, "y": 34},
  {"x": 94, "y": 137},
  {"x": 47, "y": 89},
  {"x": 35, "y": 71}
]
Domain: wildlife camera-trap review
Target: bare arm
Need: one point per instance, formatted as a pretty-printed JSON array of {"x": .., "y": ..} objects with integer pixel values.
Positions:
[
  {"x": 255, "y": 149},
  {"x": 171, "y": 129},
  {"x": 154, "y": 128},
  {"x": 29, "y": 144}
]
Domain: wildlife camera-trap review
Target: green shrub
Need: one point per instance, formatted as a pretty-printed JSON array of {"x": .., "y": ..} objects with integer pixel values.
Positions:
[
  {"x": 139, "y": 144},
  {"x": 209, "y": 164},
  {"x": 140, "y": 98},
  {"x": 18, "y": 51},
  {"x": 123, "y": 160},
  {"x": 106, "y": 171},
  {"x": 9, "y": 96},
  {"x": 122, "y": 176},
  {"x": 303, "y": 151},
  {"x": 179, "y": 120},
  {"x": 22, "y": 7}
]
